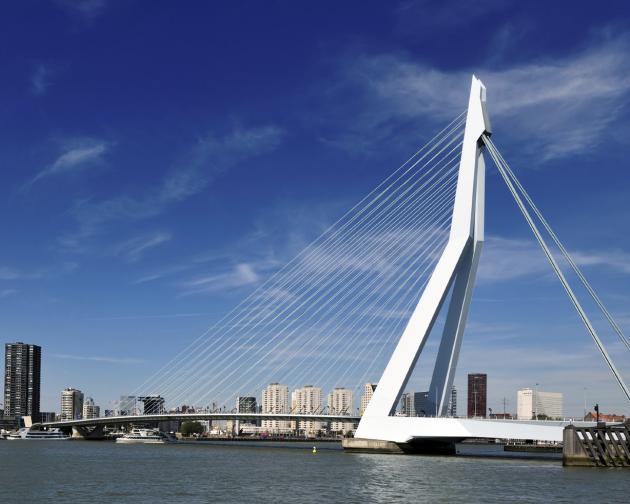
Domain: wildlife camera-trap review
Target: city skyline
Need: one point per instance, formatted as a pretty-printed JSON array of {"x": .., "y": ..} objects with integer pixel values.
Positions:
[{"x": 185, "y": 183}]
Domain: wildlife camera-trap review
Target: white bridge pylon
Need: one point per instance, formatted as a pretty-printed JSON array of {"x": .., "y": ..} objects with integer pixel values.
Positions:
[{"x": 456, "y": 268}]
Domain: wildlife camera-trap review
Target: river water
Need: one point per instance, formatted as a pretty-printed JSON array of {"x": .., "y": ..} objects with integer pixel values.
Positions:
[{"x": 106, "y": 472}]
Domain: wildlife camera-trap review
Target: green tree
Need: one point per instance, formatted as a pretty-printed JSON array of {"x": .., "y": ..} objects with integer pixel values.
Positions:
[{"x": 188, "y": 428}]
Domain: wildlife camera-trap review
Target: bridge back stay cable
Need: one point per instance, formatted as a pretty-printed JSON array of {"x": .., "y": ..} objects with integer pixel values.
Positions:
[
  {"x": 622, "y": 337},
  {"x": 565, "y": 284}
]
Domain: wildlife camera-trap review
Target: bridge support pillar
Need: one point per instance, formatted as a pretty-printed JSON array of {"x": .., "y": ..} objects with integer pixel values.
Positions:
[
  {"x": 84, "y": 433},
  {"x": 416, "y": 446}
]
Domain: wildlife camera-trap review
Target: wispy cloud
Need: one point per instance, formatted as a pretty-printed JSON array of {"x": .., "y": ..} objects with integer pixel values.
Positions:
[
  {"x": 143, "y": 317},
  {"x": 7, "y": 273},
  {"x": 209, "y": 157},
  {"x": 41, "y": 79},
  {"x": 240, "y": 275},
  {"x": 505, "y": 259},
  {"x": 579, "y": 97},
  {"x": 87, "y": 10},
  {"x": 108, "y": 360},
  {"x": 133, "y": 249},
  {"x": 76, "y": 156},
  {"x": 7, "y": 292}
]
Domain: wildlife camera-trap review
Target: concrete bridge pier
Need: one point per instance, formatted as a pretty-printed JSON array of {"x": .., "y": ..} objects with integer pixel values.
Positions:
[
  {"x": 80, "y": 432},
  {"x": 418, "y": 446}
]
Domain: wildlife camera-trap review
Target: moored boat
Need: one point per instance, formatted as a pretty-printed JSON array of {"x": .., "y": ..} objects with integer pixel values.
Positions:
[{"x": 143, "y": 436}]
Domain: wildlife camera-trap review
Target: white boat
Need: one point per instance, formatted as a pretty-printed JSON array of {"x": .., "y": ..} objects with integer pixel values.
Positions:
[
  {"x": 30, "y": 434},
  {"x": 145, "y": 436}
]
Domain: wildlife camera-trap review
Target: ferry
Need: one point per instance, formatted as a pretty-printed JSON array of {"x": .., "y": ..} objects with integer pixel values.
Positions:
[
  {"x": 144, "y": 436},
  {"x": 27, "y": 433}
]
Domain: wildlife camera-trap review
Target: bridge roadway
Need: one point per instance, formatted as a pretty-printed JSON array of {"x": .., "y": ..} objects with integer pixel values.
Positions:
[
  {"x": 397, "y": 429},
  {"x": 164, "y": 417}
]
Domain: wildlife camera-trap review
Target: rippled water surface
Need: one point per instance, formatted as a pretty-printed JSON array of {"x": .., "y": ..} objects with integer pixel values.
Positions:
[{"x": 104, "y": 472}]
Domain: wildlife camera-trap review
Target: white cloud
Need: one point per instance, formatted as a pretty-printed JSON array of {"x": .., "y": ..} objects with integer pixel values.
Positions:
[
  {"x": 7, "y": 273},
  {"x": 557, "y": 107},
  {"x": 133, "y": 249},
  {"x": 210, "y": 156},
  {"x": 108, "y": 360},
  {"x": 78, "y": 155},
  {"x": 7, "y": 292},
  {"x": 87, "y": 10},
  {"x": 504, "y": 259},
  {"x": 239, "y": 275},
  {"x": 40, "y": 79}
]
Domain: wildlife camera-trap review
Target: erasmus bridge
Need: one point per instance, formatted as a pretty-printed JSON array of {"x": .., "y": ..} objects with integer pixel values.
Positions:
[{"x": 361, "y": 301}]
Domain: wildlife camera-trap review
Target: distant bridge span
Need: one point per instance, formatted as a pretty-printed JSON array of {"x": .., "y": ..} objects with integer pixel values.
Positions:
[
  {"x": 406, "y": 428},
  {"x": 165, "y": 417}
]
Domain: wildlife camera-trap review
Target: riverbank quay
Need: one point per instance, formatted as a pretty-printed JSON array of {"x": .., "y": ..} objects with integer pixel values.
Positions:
[{"x": 606, "y": 445}]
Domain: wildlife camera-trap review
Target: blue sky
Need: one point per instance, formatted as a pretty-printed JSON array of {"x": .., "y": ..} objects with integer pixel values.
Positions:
[{"x": 159, "y": 163}]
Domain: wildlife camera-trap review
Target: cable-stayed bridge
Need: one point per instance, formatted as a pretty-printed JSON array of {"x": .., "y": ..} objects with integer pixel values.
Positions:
[{"x": 362, "y": 300}]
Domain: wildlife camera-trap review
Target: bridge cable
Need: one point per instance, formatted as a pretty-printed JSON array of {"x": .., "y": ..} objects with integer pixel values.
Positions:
[
  {"x": 375, "y": 194},
  {"x": 555, "y": 267},
  {"x": 259, "y": 291},
  {"x": 624, "y": 339}
]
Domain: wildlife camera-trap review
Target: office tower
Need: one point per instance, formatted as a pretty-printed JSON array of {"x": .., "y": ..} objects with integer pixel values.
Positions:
[
  {"x": 71, "y": 404},
  {"x": 535, "y": 403},
  {"x": 422, "y": 405},
  {"x": 246, "y": 404},
  {"x": 22, "y": 377},
  {"x": 368, "y": 392},
  {"x": 153, "y": 404},
  {"x": 275, "y": 399},
  {"x": 477, "y": 394},
  {"x": 341, "y": 402},
  {"x": 90, "y": 410},
  {"x": 128, "y": 405},
  {"x": 452, "y": 403},
  {"x": 307, "y": 400}
]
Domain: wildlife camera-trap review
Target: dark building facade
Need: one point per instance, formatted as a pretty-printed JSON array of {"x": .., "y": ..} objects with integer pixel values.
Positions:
[
  {"x": 422, "y": 405},
  {"x": 246, "y": 404},
  {"x": 477, "y": 394},
  {"x": 22, "y": 377},
  {"x": 153, "y": 405}
]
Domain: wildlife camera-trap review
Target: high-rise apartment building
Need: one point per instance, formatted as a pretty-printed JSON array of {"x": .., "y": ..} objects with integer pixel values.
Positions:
[
  {"x": 90, "y": 410},
  {"x": 22, "y": 377},
  {"x": 307, "y": 400},
  {"x": 406, "y": 404},
  {"x": 71, "y": 404},
  {"x": 477, "y": 395},
  {"x": 368, "y": 392},
  {"x": 341, "y": 402},
  {"x": 535, "y": 403},
  {"x": 275, "y": 399}
]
